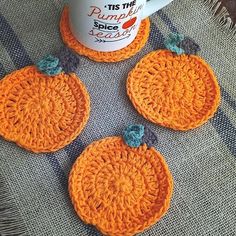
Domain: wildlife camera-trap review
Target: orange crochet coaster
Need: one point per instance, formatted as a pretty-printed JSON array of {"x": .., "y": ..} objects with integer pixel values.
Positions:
[
  {"x": 42, "y": 113},
  {"x": 119, "y": 189},
  {"x": 177, "y": 91},
  {"x": 115, "y": 56}
]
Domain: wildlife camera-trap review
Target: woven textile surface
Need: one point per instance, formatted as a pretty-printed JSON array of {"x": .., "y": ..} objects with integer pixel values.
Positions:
[{"x": 34, "y": 196}]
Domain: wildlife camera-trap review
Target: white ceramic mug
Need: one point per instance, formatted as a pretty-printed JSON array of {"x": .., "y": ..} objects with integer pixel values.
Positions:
[{"x": 109, "y": 25}]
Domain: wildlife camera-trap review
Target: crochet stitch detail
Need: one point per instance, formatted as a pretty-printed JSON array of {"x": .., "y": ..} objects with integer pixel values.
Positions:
[
  {"x": 189, "y": 46},
  {"x": 149, "y": 137},
  {"x": 179, "y": 92},
  {"x": 133, "y": 135},
  {"x": 115, "y": 56},
  {"x": 120, "y": 190},
  {"x": 181, "y": 44},
  {"x": 69, "y": 60},
  {"x": 172, "y": 42},
  {"x": 42, "y": 114},
  {"x": 49, "y": 65}
]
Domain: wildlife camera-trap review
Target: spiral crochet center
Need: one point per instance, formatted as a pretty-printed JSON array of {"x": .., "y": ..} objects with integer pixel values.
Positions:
[
  {"x": 42, "y": 113},
  {"x": 119, "y": 189},
  {"x": 180, "y": 92}
]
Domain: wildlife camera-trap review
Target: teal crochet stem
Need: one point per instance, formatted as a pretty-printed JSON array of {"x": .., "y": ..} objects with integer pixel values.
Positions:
[
  {"x": 172, "y": 42},
  {"x": 133, "y": 135},
  {"x": 180, "y": 44},
  {"x": 49, "y": 65}
]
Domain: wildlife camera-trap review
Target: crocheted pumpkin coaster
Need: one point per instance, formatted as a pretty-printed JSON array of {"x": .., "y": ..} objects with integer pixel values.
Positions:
[
  {"x": 115, "y": 56},
  {"x": 121, "y": 189},
  {"x": 177, "y": 91},
  {"x": 43, "y": 112}
]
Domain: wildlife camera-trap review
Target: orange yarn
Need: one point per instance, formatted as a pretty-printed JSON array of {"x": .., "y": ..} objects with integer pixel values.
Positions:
[
  {"x": 42, "y": 113},
  {"x": 115, "y": 56},
  {"x": 119, "y": 189},
  {"x": 179, "y": 92}
]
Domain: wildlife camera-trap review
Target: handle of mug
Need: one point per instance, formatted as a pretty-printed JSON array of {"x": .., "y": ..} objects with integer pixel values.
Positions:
[{"x": 153, "y": 6}]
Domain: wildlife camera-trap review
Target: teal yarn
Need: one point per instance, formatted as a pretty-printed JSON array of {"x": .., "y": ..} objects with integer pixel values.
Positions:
[
  {"x": 133, "y": 135},
  {"x": 49, "y": 65},
  {"x": 172, "y": 42}
]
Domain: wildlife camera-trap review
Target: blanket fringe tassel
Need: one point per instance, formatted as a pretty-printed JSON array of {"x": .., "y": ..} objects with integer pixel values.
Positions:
[
  {"x": 222, "y": 16},
  {"x": 11, "y": 222}
]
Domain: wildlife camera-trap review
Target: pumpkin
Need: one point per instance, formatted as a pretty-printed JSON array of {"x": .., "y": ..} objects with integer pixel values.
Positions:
[
  {"x": 129, "y": 23},
  {"x": 122, "y": 190},
  {"x": 175, "y": 90},
  {"x": 42, "y": 112}
]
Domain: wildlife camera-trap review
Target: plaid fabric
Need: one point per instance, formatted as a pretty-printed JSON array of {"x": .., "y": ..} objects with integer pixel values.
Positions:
[{"x": 33, "y": 188}]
